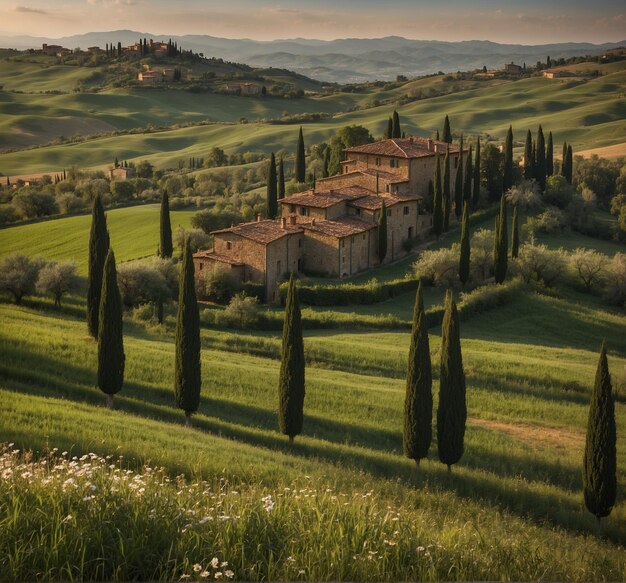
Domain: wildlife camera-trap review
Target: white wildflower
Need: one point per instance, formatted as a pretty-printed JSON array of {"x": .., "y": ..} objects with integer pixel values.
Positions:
[
  {"x": 218, "y": 575},
  {"x": 229, "y": 574},
  {"x": 215, "y": 562},
  {"x": 204, "y": 574},
  {"x": 197, "y": 568}
]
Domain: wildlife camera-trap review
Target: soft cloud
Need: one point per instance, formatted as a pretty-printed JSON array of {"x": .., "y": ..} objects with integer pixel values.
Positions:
[{"x": 29, "y": 10}]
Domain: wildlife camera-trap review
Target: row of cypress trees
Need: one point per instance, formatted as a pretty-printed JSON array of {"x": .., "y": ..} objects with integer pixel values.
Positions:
[
  {"x": 393, "y": 130},
  {"x": 276, "y": 180}
]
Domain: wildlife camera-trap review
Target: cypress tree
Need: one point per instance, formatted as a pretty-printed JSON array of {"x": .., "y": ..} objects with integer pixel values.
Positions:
[
  {"x": 382, "y": 233},
  {"x": 187, "y": 379},
  {"x": 326, "y": 163},
  {"x": 540, "y": 157},
  {"x": 600, "y": 458},
  {"x": 281, "y": 177},
  {"x": 447, "y": 202},
  {"x": 550, "y": 156},
  {"x": 437, "y": 135},
  {"x": 452, "y": 410},
  {"x": 389, "y": 131},
  {"x": 396, "y": 132},
  {"x": 464, "y": 263},
  {"x": 476, "y": 185},
  {"x": 418, "y": 402},
  {"x": 528, "y": 156},
  {"x": 111, "y": 357},
  {"x": 300, "y": 169},
  {"x": 437, "y": 200},
  {"x": 291, "y": 381},
  {"x": 507, "y": 175},
  {"x": 431, "y": 196},
  {"x": 467, "y": 183},
  {"x": 569, "y": 165},
  {"x": 166, "y": 248},
  {"x": 533, "y": 161},
  {"x": 98, "y": 249},
  {"x": 458, "y": 184},
  {"x": 501, "y": 246},
  {"x": 447, "y": 134},
  {"x": 272, "y": 189},
  {"x": 563, "y": 156},
  {"x": 515, "y": 235}
]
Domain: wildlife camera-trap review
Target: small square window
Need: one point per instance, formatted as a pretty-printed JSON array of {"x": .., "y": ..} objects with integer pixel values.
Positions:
[
  {"x": 406, "y": 210},
  {"x": 229, "y": 245},
  {"x": 389, "y": 212}
]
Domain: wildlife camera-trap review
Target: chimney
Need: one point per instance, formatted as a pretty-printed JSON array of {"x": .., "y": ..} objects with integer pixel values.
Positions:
[
  {"x": 283, "y": 223},
  {"x": 436, "y": 148},
  {"x": 292, "y": 219},
  {"x": 411, "y": 139},
  {"x": 313, "y": 222},
  {"x": 429, "y": 144},
  {"x": 259, "y": 218}
]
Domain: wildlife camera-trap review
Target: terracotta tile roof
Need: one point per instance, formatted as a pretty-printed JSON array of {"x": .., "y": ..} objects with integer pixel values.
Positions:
[
  {"x": 389, "y": 177},
  {"x": 344, "y": 227},
  {"x": 375, "y": 201},
  {"x": 326, "y": 198},
  {"x": 216, "y": 257},
  {"x": 403, "y": 148},
  {"x": 262, "y": 231}
]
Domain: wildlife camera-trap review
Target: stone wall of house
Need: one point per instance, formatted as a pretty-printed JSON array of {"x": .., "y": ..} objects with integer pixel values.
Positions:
[
  {"x": 204, "y": 265},
  {"x": 246, "y": 251},
  {"x": 357, "y": 253},
  {"x": 283, "y": 257},
  {"x": 423, "y": 171},
  {"x": 303, "y": 214},
  {"x": 321, "y": 254}
]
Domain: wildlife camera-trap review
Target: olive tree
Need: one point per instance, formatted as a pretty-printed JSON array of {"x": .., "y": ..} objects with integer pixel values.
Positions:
[
  {"x": 589, "y": 265},
  {"x": 58, "y": 279},
  {"x": 18, "y": 276}
]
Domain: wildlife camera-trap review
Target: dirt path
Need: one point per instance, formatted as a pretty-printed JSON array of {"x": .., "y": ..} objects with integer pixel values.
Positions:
[{"x": 537, "y": 435}]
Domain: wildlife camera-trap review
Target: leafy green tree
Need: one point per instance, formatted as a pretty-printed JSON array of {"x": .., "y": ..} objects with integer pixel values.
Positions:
[
  {"x": 300, "y": 169},
  {"x": 447, "y": 202},
  {"x": 98, "y": 249},
  {"x": 272, "y": 189},
  {"x": 507, "y": 174},
  {"x": 469, "y": 173},
  {"x": 550, "y": 156},
  {"x": 540, "y": 160},
  {"x": 515, "y": 235},
  {"x": 447, "y": 134},
  {"x": 464, "y": 262},
  {"x": 528, "y": 157},
  {"x": 458, "y": 184},
  {"x": 166, "y": 247},
  {"x": 187, "y": 378},
  {"x": 418, "y": 402},
  {"x": 111, "y": 359},
  {"x": 437, "y": 200},
  {"x": 501, "y": 247},
  {"x": 600, "y": 459},
  {"x": 291, "y": 388},
  {"x": 382, "y": 233},
  {"x": 281, "y": 174},
  {"x": 452, "y": 410},
  {"x": 396, "y": 131},
  {"x": 476, "y": 183}
]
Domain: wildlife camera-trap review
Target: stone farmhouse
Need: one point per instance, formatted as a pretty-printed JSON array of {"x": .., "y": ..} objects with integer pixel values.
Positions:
[{"x": 332, "y": 229}]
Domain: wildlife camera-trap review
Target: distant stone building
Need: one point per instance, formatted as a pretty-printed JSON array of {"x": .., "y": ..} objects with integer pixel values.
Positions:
[
  {"x": 121, "y": 173},
  {"x": 332, "y": 230},
  {"x": 243, "y": 88},
  {"x": 512, "y": 68},
  {"x": 52, "y": 50},
  {"x": 557, "y": 74},
  {"x": 156, "y": 75}
]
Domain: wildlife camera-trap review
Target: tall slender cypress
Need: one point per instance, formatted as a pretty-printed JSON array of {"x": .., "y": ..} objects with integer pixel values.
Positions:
[
  {"x": 563, "y": 157},
  {"x": 447, "y": 134},
  {"x": 418, "y": 402},
  {"x": 437, "y": 200},
  {"x": 166, "y": 247},
  {"x": 528, "y": 156},
  {"x": 540, "y": 157},
  {"x": 281, "y": 176},
  {"x": 187, "y": 379},
  {"x": 447, "y": 202},
  {"x": 98, "y": 249},
  {"x": 272, "y": 189},
  {"x": 291, "y": 381},
  {"x": 515, "y": 235},
  {"x": 550, "y": 156},
  {"x": 326, "y": 163},
  {"x": 476, "y": 184},
  {"x": 111, "y": 357},
  {"x": 501, "y": 246},
  {"x": 458, "y": 183},
  {"x": 389, "y": 131},
  {"x": 396, "y": 131},
  {"x": 382, "y": 233},
  {"x": 464, "y": 262},
  {"x": 507, "y": 174},
  {"x": 600, "y": 459},
  {"x": 452, "y": 410},
  {"x": 300, "y": 169},
  {"x": 569, "y": 164},
  {"x": 467, "y": 183}
]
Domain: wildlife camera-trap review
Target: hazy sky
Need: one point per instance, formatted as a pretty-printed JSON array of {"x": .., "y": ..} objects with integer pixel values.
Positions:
[{"x": 529, "y": 22}]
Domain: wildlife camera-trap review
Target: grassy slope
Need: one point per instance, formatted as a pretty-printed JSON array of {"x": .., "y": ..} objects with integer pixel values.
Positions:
[
  {"x": 134, "y": 233},
  {"x": 586, "y": 113}
]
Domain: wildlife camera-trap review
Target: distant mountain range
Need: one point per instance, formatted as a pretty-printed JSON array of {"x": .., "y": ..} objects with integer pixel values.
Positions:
[{"x": 343, "y": 60}]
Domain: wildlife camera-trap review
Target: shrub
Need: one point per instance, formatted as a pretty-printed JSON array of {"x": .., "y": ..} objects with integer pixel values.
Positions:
[
  {"x": 198, "y": 239},
  {"x": 589, "y": 266},
  {"x": 18, "y": 276},
  {"x": 481, "y": 261},
  {"x": 142, "y": 282},
  {"x": 243, "y": 311},
  {"x": 219, "y": 285},
  {"x": 558, "y": 191},
  {"x": 57, "y": 279},
  {"x": 70, "y": 203},
  {"x": 8, "y": 215},
  {"x": 30, "y": 204},
  {"x": 488, "y": 296},
  {"x": 439, "y": 267},
  {"x": 537, "y": 263},
  {"x": 525, "y": 195},
  {"x": 551, "y": 221}
]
